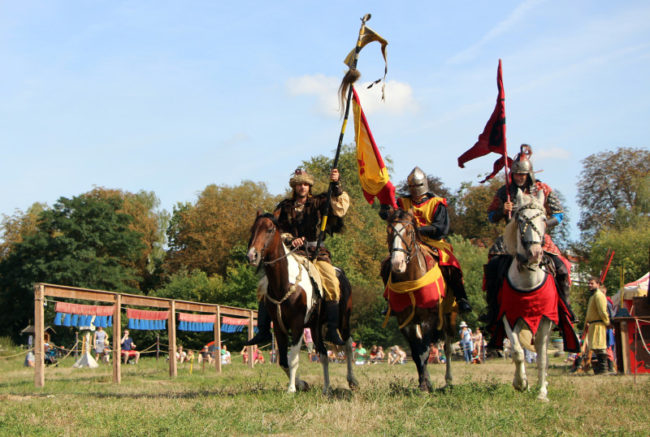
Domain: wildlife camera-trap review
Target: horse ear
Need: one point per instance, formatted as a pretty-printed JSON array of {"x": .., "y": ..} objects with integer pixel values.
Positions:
[
  {"x": 276, "y": 214},
  {"x": 540, "y": 197},
  {"x": 259, "y": 213},
  {"x": 519, "y": 200}
]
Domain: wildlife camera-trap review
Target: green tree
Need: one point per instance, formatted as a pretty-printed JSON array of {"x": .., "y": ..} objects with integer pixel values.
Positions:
[
  {"x": 16, "y": 227},
  {"x": 202, "y": 235},
  {"x": 83, "y": 242},
  {"x": 609, "y": 182}
]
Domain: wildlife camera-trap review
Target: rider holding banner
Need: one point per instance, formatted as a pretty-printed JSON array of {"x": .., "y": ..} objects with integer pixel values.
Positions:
[
  {"x": 433, "y": 226},
  {"x": 299, "y": 218},
  {"x": 501, "y": 208}
]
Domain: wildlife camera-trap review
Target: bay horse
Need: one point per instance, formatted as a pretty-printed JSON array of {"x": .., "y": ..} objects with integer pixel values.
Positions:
[
  {"x": 528, "y": 298},
  {"x": 427, "y": 315},
  {"x": 293, "y": 302}
]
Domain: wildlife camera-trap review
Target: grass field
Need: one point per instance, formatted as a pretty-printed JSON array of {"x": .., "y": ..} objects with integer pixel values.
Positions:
[{"x": 253, "y": 401}]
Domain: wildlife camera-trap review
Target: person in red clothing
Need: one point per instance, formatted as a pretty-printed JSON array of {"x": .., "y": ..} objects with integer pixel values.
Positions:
[
  {"x": 523, "y": 179},
  {"x": 433, "y": 226}
]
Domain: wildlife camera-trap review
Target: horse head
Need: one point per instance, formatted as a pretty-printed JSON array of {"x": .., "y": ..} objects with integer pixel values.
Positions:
[
  {"x": 265, "y": 238},
  {"x": 524, "y": 235},
  {"x": 402, "y": 239}
]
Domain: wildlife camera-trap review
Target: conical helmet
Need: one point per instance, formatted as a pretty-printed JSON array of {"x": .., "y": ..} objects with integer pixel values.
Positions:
[
  {"x": 417, "y": 182},
  {"x": 523, "y": 164}
]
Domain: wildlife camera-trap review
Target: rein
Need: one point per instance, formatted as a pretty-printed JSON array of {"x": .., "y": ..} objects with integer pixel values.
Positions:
[
  {"x": 292, "y": 287},
  {"x": 523, "y": 224},
  {"x": 410, "y": 248}
]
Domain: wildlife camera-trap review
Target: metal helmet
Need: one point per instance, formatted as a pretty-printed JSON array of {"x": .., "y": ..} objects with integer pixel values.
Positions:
[
  {"x": 523, "y": 164},
  {"x": 417, "y": 182}
]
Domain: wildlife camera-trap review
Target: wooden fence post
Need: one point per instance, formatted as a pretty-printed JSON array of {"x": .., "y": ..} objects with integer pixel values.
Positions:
[
  {"x": 117, "y": 337},
  {"x": 39, "y": 327},
  {"x": 217, "y": 340},
  {"x": 251, "y": 349},
  {"x": 173, "y": 371}
]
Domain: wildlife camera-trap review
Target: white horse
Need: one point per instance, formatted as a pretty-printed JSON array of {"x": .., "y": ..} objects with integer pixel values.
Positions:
[{"x": 523, "y": 238}]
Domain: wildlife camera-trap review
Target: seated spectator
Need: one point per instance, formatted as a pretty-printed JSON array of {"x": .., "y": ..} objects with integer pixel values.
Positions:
[
  {"x": 128, "y": 348},
  {"x": 396, "y": 355},
  {"x": 181, "y": 355},
  {"x": 373, "y": 354},
  {"x": 434, "y": 354},
  {"x": 331, "y": 356},
  {"x": 100, "y": 342},
  {"x": 381, "y": 356},
  {"x": 244, "y": 354},
  {"x": 225, "y": 355},
  {"x": 30, "y": 359},
  {"x": 476, "y": 355},
  {"x": 360, "y": 354},
  {"x": 204, "y": 355},
  {"x": 258, "y": 357},
  {"x": 189, "y": 356}
]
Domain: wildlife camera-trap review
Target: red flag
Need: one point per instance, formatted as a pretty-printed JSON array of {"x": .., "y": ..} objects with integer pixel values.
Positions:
[
  {"x": 496, "y": 168},
  {"x": 373, "y": 173},
  {"x": 493, "y": 138}
]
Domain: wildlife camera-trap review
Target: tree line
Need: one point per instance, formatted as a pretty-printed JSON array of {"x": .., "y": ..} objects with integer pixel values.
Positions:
[{"x": 116, "y": 240}]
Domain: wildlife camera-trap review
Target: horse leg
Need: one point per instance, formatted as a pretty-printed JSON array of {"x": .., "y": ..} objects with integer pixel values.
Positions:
[
  {"x": 420, "y": 354},
  {"x": 294, "y": 358},
  {"x": 352, "y": 381},
  {"x": 541, "y": 345},
  {"x": 324, "y": 361},
  {"x": 282, "y": 340},
  {"x": 448, "y": 352},
  {"x": 520, "y": 382}
]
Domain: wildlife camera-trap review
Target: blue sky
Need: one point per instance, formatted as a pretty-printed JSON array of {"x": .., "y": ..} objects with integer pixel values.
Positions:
[{"x": 171, "y": 96}]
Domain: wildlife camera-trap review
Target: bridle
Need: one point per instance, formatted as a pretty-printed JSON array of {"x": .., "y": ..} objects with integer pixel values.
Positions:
[
  {"x": 410, "y": 248},
  {"x": 524, "y": 223},
  {"x": 270, "y": 232}
]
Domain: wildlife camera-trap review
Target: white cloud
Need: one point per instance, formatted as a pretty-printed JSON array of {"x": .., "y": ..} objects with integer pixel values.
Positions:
[
  {"x": 398, "y": 95},
  {"x": 502, "y": 27}
]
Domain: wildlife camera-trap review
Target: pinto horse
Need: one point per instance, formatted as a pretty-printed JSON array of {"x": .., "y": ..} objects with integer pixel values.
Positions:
[
  {"x": 528, "y": 296},
  {"x": 293, "y": 302},
  {"x": 415, "y": 289}
]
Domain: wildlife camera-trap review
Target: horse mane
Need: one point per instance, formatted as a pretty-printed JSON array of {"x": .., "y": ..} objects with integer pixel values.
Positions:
[{"x": 510, "y": 237}]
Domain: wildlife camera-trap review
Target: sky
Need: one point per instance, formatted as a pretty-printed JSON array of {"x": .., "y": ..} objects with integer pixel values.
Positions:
[{"x": 171, "y": 96}]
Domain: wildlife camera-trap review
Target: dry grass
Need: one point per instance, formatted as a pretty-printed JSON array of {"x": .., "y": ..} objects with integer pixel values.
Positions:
[{"x": 253, "y": 401}]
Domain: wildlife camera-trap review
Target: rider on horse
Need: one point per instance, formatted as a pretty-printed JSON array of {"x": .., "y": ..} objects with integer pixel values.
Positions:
[
  {"x": 433, "y": 226},
  {"x": 299, "y": 218},
  {"x": 501, "y": 207}
]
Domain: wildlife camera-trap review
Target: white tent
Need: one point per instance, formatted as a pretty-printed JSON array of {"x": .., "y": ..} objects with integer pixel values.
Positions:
[{"x": 629, "y": 291}]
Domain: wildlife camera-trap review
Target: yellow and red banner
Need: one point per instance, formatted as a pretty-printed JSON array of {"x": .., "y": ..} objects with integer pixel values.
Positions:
[{"x": 373, "y": 173}]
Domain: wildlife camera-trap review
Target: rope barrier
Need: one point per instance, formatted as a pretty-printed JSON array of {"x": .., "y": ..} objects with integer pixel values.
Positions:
[
  {"x": 15, "y": 355},
  {"x": 638, "y": 327}
]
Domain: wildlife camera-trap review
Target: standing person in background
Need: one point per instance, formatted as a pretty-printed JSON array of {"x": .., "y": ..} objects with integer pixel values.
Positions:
[
  {"x": 100, "y": 340},
  {"x": 597, "y": 320},
  {"x": 466, "y": 341}
]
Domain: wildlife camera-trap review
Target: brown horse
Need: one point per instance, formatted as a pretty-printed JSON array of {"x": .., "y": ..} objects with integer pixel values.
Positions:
[
  {"x": 294, "y": 303},
  {"x": 421, "y": 322}
]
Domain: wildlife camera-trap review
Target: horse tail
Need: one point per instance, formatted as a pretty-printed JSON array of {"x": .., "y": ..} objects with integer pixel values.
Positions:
[{"x": 345, "y": 302}]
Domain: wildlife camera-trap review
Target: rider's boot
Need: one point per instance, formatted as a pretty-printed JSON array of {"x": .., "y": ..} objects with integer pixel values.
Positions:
[
  {"x": 333, "y": 335},
  {"x": 454, "y": 278},
  {"x": 602, "y": 364},
  {"x": 263, "y": 327}
]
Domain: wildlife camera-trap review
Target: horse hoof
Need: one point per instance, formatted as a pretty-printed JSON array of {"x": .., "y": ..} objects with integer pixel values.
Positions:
[
  {"x": 302, "y": 386},
  {"x": 353, "y": 384},
  {"x": 542, "y": 398}
]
